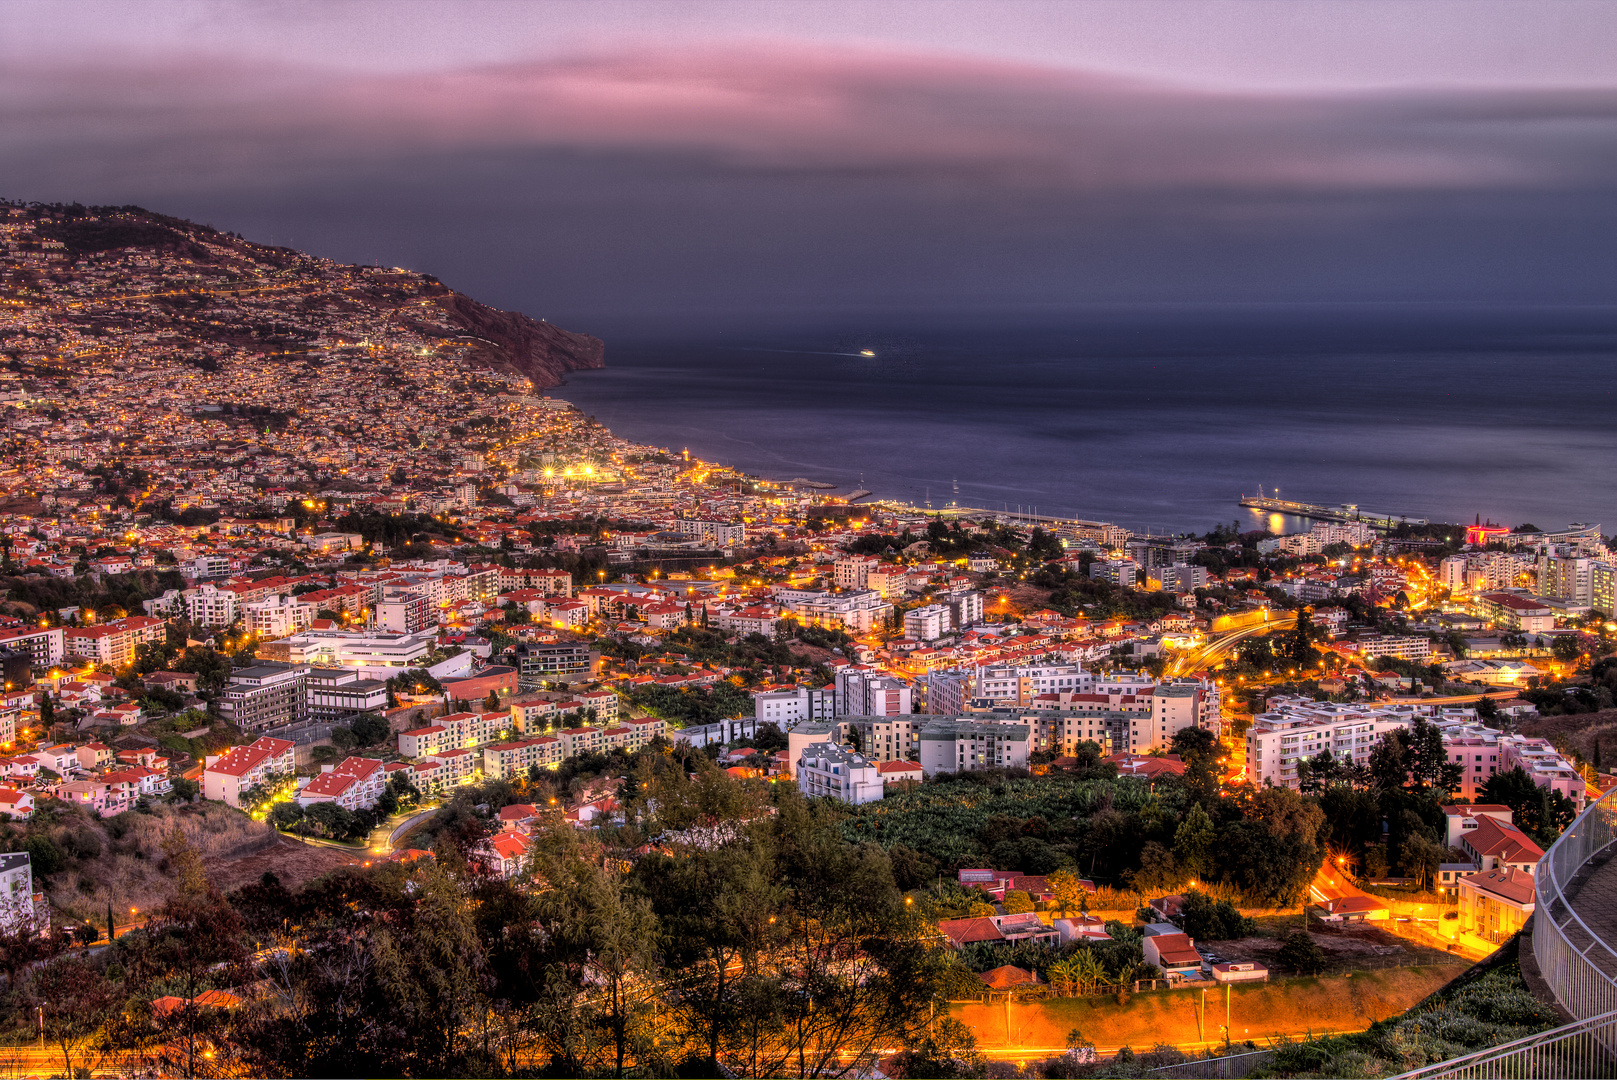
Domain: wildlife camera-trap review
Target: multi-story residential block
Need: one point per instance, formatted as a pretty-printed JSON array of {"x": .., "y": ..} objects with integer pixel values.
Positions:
[
  {"x": 927, "y": 623},
  {"x": 965, "y": 607},
  {"x": 336, "y": 693},
  {"x": 45, "y": 647},
  {"x": 724, "y": 533},
  {"x": 376, "y": 654},
  {"x": 209, "y": 605},
  {"x": 962, "y": 745},
  {"x": 556, "y": 660},
  {"x": 226, "y": 777},
  {"x": 113, "y": 643},
  {"x": 1495, "y": 904},
  {"x": 507, "y": 759},
  {"x": 1177, "y": 578},
  {"x": 1566, "y": 577},
  {"x": 457, "y": 731},
  {"x": 786, "y": 707},
  {"x": 265, "y": 696},
  {"x": 853, "y": 571},
  {"x": 277, "y": 617},
  {"x": 581, "y": 740},
  {"x": 865, "y": 692},
  {"x": 832, "y": 771},
  {"x": 946, "y": 693},
  {"x": 1603, "y": 588},
  {"x": 883, "y": 738},
  {"x": 1403, "y": 646},
  {"x": 18, "y": 908},
  {"x": 1513, "y": 612},
  {"x": 857, "y": 612},
  {"x": 355, "y": 783},
  {"x": 405, "y": 611},
  {"x": 1020, "y": 685},
  {"x": 1124, "y": 573},
  {"x": 1277, "y": 740},
  {"x": 1175, "y": 705}
]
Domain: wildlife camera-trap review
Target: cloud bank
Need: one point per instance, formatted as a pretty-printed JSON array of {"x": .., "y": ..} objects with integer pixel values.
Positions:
[{"x": 784, "y": 177}]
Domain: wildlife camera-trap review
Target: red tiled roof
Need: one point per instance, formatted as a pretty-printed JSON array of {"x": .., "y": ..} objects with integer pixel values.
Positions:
[
  {"x": 965, "y": 931},
  {"x": 1508, "y": 884}
]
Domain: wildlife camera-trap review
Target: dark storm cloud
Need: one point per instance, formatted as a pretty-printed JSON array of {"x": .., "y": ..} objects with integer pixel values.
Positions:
[{"x": 793, "y": 178}]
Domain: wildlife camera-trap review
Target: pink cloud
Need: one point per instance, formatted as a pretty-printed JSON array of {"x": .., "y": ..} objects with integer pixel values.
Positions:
[{"x": 809, "y": 110}]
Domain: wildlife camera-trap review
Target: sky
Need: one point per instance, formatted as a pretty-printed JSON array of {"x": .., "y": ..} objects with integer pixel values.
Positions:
[{"x": 608, "y": 163}]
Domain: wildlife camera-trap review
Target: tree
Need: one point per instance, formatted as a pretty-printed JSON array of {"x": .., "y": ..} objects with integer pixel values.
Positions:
[
  {"x": 1068, "y": 889},
  {"x": 1566, "y": 648},
  {"x": 1018, "y": 902},
  {"x": 1194, "y": 842},
  {"x": 1421, "y": 858},
  {"x": 370, "y": 729},
  {"x": 1537, "y": 811},
  {"x": 1300, "y": 954},
  {"x": 74, "y": 1000},
  {"x": 1202, "y": 918}
]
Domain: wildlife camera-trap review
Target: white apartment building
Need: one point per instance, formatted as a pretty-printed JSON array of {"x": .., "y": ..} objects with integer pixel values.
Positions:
[
  {"x": 856, "y": 612},
  {"x": 825, "y": 769},
  {"x": 45, "y": 647},
  {"x": 1177, "y": 578},
  {"x": 927, "y": 623},
  {"x": 887, "y": 581},
  {"x": 852, "y": 572},
  {"x": 277, "y": 617},
  {"x": 946, "y": 692},
  {"x": 965, "y": 607},
  {"x": 786, "y": 707},
  {"x": 457, "y": 731},
  {"x": 209, "y": 605},
  {"x": 226, "y": 777},
  {"x": 354, "y": 784},
  {"x": 1124, "y": 573},
  {"x": 1175, "y": 705},
  {"x": 862, "y": 691},
  {"x": 949, "y": 746},
  {"x": 1565, "y": 577},
  {"x": 17, "y": 892},
  {"x": 376, "y": 652},
  {"x": 1278, "y": 740},
  {"x": 1404, "y": 646},
  {"x": 1603, "y": 587},
  {"x": 1020, "y": 685},
  {"x": 725, "y": 533}
]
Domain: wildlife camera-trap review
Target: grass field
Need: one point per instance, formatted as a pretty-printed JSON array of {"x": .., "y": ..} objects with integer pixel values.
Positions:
[{"x": 1258, "y": 1012}]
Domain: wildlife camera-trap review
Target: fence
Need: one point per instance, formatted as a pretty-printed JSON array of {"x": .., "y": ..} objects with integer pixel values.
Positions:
[
  {"x": 1577, "y": 1050},
  {"x": 1574, "y": 960},
  {"x": 1573, "y": 957},
  {"x": 1228, "y": 1067}
]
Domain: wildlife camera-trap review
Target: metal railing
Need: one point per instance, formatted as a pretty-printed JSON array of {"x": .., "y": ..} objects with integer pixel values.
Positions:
[
  {"x": 1578, "y": 1050},
  {"x": 1575, "y": 959}
]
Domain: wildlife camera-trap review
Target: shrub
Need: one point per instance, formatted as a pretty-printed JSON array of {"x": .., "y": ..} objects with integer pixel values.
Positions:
[{"x": 1300, "y": 954}]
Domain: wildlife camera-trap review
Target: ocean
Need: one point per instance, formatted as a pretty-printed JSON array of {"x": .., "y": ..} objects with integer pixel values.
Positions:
[{"x": 1158, "y": 421}]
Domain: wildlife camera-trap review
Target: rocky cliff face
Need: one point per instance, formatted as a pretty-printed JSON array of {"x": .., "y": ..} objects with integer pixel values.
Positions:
[{"x": 510, "y": 340}]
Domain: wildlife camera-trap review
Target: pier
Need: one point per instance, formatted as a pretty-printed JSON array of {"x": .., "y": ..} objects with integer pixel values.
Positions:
[{"x": 1344, "y": 512}]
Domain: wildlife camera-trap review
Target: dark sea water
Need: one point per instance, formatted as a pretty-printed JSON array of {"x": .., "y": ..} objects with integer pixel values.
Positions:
[{"x": 1156, "y": 421}]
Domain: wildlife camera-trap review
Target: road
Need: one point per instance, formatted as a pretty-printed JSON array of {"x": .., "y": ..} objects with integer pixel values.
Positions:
[
  {"x": 1219, "y": 647},
  {"x": 409, "y": 823}
]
